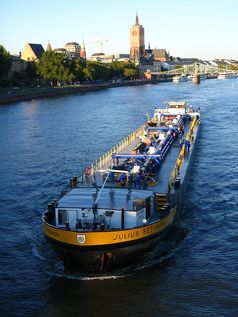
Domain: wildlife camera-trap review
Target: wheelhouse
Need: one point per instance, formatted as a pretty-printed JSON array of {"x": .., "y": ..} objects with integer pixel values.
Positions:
[{"x": 116, "y": 209}]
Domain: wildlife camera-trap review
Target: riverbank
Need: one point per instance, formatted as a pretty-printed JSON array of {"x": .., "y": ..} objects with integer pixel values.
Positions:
[{"x": 22, "y": 94}]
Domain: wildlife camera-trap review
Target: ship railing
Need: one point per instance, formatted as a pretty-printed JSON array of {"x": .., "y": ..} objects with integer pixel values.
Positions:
[
  {"x": 176, "y": 170},
  {"x": 107, "y": 157},
  {"x": 190, "y": 132},
  {"x": 179, "y": 162},
  {"x": 64, "y": 191}
]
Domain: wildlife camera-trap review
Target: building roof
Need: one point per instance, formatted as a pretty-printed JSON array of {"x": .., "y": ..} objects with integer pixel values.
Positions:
[
  {"x": 37, "y": 49},
  {"x": 189, "y": 59},
  {"x": 171, "y": 62},
  {"x": 32, "y": 52},
  {"x": 72, "y": 43},
  {"x": 161, "y": 52},
  {"x": 98, "y": 54},
  {"x": 85, "y": 198},
  {"x": 60, "y": 49},
  {"x": 15, "y": 58}
]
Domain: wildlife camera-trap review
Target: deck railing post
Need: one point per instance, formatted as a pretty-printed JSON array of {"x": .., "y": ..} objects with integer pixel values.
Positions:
[{"x": 92, "y": 169}]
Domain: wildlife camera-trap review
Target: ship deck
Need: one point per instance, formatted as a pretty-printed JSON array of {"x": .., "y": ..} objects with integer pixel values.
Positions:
[{"x": 162, "y": 176}]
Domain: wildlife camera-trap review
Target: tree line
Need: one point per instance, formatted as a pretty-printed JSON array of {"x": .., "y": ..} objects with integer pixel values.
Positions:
[
  {"x": 55, "y": 67},
  {"x": 5, "y": 65},
  {"x": 58, "y": 69}
]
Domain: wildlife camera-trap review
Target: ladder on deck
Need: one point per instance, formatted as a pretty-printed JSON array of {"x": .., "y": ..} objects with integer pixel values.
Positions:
[{"x": 162, "y": 204}]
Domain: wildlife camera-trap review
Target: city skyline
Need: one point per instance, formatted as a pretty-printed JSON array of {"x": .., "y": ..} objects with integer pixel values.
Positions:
[{"x": 187, "y": 28}]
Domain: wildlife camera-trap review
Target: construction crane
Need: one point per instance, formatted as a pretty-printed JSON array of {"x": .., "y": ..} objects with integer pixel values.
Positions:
[{"x": 101, "y": 43}]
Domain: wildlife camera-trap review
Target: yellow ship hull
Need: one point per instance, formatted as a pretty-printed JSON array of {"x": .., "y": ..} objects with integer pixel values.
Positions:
[{"x": 104, "y": 251}]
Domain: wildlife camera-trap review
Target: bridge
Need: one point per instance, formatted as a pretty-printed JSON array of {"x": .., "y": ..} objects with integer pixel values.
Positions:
[{"x": 198, "y": 69}]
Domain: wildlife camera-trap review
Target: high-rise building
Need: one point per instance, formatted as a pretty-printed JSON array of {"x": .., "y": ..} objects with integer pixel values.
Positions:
[{"x": 137, "y": 41}]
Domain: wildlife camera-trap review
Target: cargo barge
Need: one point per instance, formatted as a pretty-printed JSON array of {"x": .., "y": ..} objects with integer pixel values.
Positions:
[{"x": 129, "y": 200}]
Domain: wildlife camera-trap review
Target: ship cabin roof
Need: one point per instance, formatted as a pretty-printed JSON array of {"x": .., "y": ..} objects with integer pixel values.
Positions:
[
  {"x": 177, "y": 104},
  {"x": 109, "y": 198},
  {"x": 173, "y": 108}
]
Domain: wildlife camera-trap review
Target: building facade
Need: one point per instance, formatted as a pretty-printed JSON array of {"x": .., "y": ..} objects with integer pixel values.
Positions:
[
  {"x": 160, "y": 55},
  {"x": 73, "y": 48},
  {"x": 18, "y": 64},
  {"x": 61, "y": 50},
  {"x": 101, "y": 57},
  {"x": 32, "y": 52},
  {"x": 137, "y": 41}
]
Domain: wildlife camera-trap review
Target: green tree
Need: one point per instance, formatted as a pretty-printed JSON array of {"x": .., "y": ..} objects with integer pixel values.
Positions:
[
  {"x": 77, "y": 66},
  {"x": 55, "y": 67},
  {"x": 31, "y": 78},
  {"x": 130, "y": 73},
  {"x": 117, "y": 69},
  {"x": 5, "y": 63},
  {"x": 97, "y": 71},
  {"x": 89, "y": 72}
]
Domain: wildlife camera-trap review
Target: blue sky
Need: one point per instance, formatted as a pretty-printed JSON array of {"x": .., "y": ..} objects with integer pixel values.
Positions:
[{"x": 187, "y": 28}]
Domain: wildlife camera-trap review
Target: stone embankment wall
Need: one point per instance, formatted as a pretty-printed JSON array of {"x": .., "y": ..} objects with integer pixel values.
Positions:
[{"x": 21, "y": 94}]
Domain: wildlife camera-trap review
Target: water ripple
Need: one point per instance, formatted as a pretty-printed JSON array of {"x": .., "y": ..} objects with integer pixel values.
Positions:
[{"x": 45, "y": 142}]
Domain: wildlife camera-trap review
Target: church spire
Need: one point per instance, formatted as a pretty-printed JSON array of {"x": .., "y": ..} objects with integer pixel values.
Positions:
[
  {"x": 83, "y": 51},
  {"x": 49, "y": 48},
  {"x": 137, "y": 19}
]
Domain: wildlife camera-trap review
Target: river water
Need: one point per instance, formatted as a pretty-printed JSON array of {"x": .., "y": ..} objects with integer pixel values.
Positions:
[{"x": 45, "y": 142}]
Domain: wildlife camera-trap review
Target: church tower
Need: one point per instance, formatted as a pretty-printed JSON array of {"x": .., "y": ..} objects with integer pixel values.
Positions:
[
  {"x": 137, "y": 41},
  {"x": 83, "y": 51}
]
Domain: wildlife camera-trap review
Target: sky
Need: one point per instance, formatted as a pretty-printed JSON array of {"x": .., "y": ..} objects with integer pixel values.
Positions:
[{"x": 205, "y": 29}]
